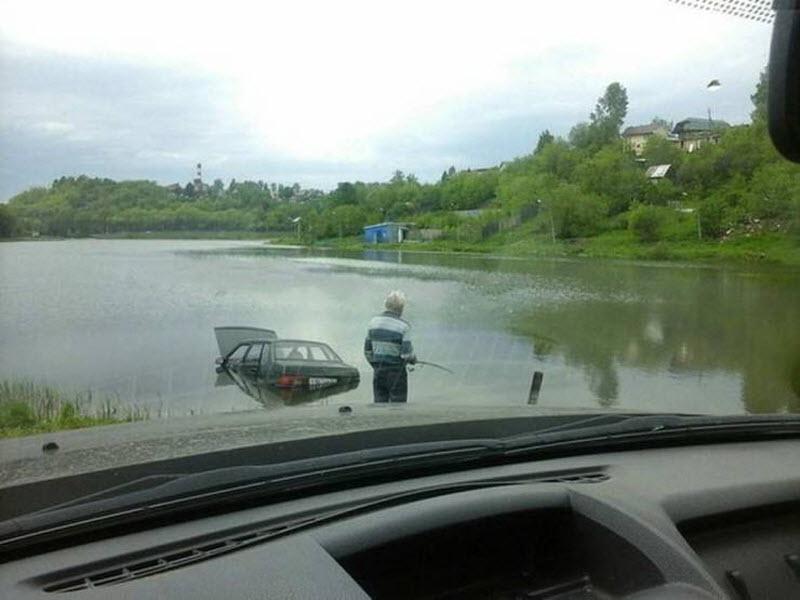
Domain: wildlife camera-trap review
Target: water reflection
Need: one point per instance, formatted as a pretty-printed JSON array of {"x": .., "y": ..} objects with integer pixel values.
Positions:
[
  {"x": 270, "y": 396},
  {"x": 717, "y": 334}
]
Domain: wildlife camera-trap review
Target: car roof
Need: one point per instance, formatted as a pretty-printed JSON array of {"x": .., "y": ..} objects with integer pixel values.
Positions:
[
  {"x": 263, "y": 341},
  {"x": 302, "y": 342}
]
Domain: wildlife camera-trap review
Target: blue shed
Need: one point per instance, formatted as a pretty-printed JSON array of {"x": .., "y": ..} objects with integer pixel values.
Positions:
[{"x": 386, "y": 233}]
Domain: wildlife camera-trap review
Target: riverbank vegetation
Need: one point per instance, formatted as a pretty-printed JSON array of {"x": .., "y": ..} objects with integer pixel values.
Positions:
[
  {"x": 27, "y": 408},
  {"x": 586, "y": 195}
]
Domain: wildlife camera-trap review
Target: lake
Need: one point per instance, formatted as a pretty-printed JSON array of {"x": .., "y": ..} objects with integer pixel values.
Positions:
[{"x": 133, "y": 320}]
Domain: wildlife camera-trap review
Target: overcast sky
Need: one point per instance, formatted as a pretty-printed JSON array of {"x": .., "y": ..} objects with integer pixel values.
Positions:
[{"x": 321, "y": 92}]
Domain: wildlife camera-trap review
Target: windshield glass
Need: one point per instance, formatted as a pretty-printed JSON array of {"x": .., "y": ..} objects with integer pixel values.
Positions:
[{"x": 457, "y": 211}]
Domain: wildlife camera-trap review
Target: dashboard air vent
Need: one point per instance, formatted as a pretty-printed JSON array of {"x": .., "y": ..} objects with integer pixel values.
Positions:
[
  {"x": 166, "y": 562},
  {"x": 594, "y": 477},
  {"x": 173, "y": 559}
]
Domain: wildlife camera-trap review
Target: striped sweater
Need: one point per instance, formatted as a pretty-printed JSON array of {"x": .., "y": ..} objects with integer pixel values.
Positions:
[{"x": 387, "y": 341}]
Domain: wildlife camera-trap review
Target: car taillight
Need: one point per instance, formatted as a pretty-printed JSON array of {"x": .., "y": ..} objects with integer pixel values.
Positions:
[{"x": 290, "y": 381}]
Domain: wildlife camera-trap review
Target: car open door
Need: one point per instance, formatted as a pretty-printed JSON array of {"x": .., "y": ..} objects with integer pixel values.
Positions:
[{"x": 230, "y": 337}]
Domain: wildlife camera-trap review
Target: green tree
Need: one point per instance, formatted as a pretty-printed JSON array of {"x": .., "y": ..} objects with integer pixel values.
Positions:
[
  {"x": 661, "y": 122},
  {"x": 8, "y": 222},
  {"x": 581, "y": 136},
  {"x": 218, "y": 187},
  {"x": 517, "y": 191},
  {"x": 556, "y": 159},
  {"x": 759, "y": 99},
  {"x": 774, "y": 191},
  {"x": 545, "y": 137},
  {"x": 613, "y": 174},
  {"x": 574, "y": 213},
  {"x": 468, "y": 189},
  {"x": 712, "y": 214},
  {"x": 661, "y": 151},
  {"x": 609, "y": 114},
  {"x": 345, "y": 193}
]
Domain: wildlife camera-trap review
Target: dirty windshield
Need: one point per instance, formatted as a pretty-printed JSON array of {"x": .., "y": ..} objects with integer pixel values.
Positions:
[{"x": 298, "y": 219}]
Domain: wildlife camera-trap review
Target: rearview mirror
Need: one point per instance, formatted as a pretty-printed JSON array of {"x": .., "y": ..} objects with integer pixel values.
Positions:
[{"x": 783, "y": 97}]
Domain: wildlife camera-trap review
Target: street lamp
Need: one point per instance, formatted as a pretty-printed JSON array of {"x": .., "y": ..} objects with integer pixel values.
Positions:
[
  {"x": 552, "y": 222},
  {"x": 713, "y": 86}
]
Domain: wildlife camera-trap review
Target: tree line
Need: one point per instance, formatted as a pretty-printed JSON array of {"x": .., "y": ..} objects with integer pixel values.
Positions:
[{"x": 579, "y": 186}]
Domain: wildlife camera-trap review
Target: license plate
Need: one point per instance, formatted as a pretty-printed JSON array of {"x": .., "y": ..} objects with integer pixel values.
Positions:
[{"x": 320, "y": 382}]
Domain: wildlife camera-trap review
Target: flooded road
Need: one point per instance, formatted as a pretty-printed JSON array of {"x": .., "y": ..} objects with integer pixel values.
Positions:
[{"x": 133, "y": 321}]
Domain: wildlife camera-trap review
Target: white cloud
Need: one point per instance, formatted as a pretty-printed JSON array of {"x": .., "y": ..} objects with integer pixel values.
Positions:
[
  {"x": 343, "y": 82},
  {"x": 54, "y": 127}
]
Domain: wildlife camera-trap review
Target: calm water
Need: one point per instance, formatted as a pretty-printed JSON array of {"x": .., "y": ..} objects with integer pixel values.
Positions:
[{"x": 133, "y": 320}]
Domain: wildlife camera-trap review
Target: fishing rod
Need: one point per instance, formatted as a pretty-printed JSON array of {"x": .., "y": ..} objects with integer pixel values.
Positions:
[{"x": 430, "y": 364}]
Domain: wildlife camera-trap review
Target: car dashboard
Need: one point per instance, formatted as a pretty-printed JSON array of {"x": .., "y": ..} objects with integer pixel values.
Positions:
[{"x": 703, "y": 521}]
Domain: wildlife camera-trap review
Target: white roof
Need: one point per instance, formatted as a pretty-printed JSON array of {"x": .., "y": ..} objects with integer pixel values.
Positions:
[{"x": 657, "y": 171}]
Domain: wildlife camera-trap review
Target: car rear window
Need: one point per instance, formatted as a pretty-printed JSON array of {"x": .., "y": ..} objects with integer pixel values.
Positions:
[{"x": 304, "y": 351}]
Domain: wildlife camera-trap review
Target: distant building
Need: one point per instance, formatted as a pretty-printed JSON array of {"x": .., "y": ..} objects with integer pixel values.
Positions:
[
  {"x": 387, "y": 233},
  {"x": 658, "y": 172},
  {"x": 175, "y": 188},
  {"x": 198, "y": 180},
  {"x": 636, "y": 138},
  {"x": 692, "y": 133}
]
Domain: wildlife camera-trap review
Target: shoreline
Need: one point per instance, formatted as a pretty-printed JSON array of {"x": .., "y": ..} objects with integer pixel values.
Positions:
[{"x": 766, "y": 249}]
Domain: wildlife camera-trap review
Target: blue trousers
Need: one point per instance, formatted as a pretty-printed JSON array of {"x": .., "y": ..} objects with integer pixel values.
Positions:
[{"x": 390, "y": 383}]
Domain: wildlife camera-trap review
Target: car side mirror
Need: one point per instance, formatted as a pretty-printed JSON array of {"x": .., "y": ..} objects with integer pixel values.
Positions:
[{"x": 783, "y": 95}]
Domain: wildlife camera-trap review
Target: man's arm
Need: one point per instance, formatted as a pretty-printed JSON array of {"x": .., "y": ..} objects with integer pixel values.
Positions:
[
  {"x": 368, "y": 354},
  {"x": 407, "y": 351}
]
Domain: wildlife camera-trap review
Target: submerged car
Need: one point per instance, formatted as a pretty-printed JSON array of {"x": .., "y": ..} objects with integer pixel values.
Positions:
[{"x": 260, "y": 363}]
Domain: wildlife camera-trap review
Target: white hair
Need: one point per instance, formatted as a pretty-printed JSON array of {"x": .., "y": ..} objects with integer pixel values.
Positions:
[{"x": 395, "y": 301}]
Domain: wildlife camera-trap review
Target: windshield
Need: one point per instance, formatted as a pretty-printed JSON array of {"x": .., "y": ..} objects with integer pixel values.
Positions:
[{"x": 434, "y": 212}]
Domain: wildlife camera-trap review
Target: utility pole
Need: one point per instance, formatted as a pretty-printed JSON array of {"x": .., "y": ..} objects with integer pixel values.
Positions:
[
  {"x": 699, "y": 229},
  {"x": 712, "y": 87}
]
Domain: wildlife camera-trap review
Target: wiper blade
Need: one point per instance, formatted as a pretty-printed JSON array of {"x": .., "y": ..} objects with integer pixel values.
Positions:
[
  {"x": 165, "y": 488},
  {"x": 655, "y": 428},
  {"x": 158, "y": 496},
  {"x": 233, "y": 484}
]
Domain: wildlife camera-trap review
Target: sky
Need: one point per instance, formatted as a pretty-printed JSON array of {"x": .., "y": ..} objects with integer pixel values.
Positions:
[{"x": 322, "y": 92}]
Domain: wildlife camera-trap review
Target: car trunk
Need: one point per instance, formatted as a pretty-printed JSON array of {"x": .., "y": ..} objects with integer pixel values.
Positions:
[{"x": 313, "y": 375}]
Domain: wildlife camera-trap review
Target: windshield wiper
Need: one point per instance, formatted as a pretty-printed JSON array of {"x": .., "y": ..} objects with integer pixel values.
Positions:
[
  {"x": 655, "y": 429},
  {"x": 170, "y": 493},
  {"x": 157, "y": 496}
]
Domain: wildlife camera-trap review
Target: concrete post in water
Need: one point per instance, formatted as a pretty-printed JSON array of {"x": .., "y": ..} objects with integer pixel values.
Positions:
[{"x": 536, "y": 385}]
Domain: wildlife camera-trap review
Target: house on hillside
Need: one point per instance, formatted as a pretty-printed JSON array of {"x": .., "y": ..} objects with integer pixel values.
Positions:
[
  {"x": 692, "y": 133},
  {"x": 636, "y": 137}
]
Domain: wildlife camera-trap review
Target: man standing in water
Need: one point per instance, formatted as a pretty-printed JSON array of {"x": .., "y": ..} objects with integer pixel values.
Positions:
[{"x": 388, "y": 349}]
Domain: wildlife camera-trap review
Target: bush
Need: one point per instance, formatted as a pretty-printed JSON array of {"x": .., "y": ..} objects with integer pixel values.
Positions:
[
  {"x": 648, "y": 222},
  {"x": 712, "y": 217},
  {"x": 620, "y": 221},
  {"x": 16, "y": 415},
  {"x": 774, "y": 190},
  {"x": 575, "y": 214}
]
